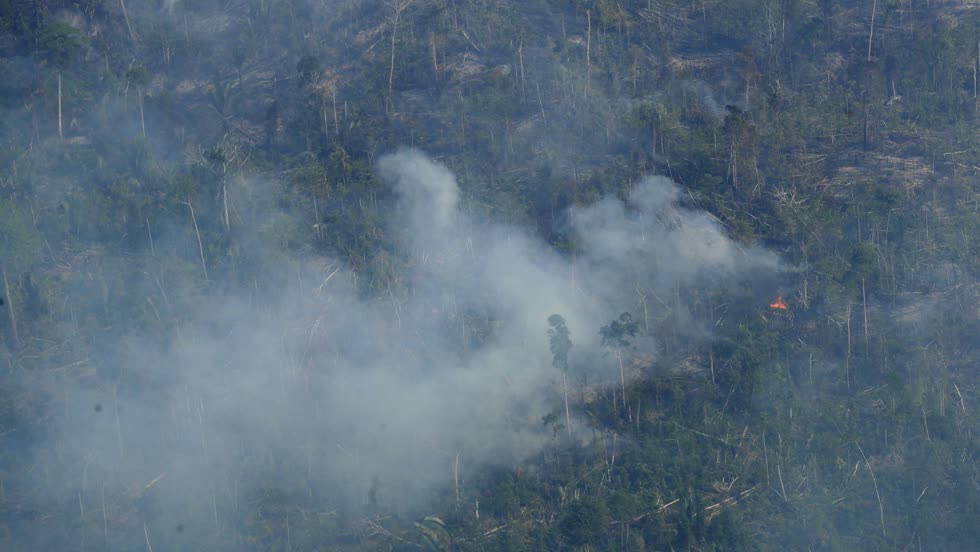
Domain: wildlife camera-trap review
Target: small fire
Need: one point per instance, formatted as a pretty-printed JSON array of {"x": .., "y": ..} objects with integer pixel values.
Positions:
[{"x": 778, "y": 303}]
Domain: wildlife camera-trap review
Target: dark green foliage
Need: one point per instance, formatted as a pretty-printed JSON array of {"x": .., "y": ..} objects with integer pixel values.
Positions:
[
  {"x": 862, "y": 173},
  {"x": 309, "y": 69},
  {"x": 584, "y": 522},
  {"x": 59, "y": 45},
  {"x": 620, "y": 332},
  {"x": 434, "y": 533},
  {"x": 561, "y": 342},
  {"x": 137, "y": 76}
]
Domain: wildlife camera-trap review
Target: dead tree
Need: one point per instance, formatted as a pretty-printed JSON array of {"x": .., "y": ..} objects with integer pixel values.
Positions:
[
  {"x": 14, "y": 334},
  {"x": 397, "y": 6},
  {"x": 871, "y": 34},
  {"x": 61, "y": 134},
  {"x": 200, "y": 244},
  {"x": 129, "y": 27}
]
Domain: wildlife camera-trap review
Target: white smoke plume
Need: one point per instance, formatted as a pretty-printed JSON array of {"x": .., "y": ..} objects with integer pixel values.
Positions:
[{"x": 347, "y": 399}]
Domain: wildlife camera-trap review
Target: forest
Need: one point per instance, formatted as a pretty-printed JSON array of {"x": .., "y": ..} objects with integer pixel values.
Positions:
[{"x": 461, "y": 275}]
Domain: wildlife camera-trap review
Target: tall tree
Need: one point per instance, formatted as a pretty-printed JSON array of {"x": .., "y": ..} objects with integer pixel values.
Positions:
[
  {"x": 58, "y": 45},
  {"x": 561, "y": 343},
  {"x": 397, "y": 6},
  {"x": 616, "y": 336}
]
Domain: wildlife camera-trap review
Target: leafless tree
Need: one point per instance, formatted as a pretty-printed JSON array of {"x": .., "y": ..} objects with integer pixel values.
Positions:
[{"x": 397, "y": 7}]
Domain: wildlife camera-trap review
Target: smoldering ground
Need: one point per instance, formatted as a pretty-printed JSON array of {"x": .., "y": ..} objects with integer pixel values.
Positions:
[{"x": 318, "y": 392}]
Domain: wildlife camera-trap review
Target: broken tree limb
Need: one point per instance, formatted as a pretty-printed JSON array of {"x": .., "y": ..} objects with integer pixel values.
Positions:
[{"x": 881, "y": 508}]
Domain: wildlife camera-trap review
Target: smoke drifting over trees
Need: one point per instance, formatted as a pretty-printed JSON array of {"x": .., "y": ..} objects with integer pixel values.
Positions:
[
  {"x": 472, "y": 275},
  {"x": 317, "y": 389}
]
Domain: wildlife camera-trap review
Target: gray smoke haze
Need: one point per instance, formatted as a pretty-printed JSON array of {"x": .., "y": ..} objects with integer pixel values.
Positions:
[
  {"x": 312, "y": 389},
  {"x": 318, "y": 390},
  {"x": 337, "y": 386}
]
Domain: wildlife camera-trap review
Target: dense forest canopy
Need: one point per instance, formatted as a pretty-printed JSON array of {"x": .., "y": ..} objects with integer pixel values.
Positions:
[{"x": 489, "y": 274}]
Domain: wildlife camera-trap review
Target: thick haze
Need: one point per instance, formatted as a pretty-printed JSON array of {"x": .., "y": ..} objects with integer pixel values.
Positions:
[
  {"x": 321, "y": 391},
  {"x": 313, "y": 389},
  {"x": 281, "y": 273}
]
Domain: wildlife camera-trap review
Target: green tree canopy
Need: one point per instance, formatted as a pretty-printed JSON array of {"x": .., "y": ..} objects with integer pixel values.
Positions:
[
  {"x": 59, "y": 45},
  {"x": 618, "y": 333},
  {"x": 561, "y": 342}
]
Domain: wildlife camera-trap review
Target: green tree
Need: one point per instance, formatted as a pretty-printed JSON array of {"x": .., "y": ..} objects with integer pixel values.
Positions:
[
  {"x": 616, "y": 336},
  {"x": 584, "y": 522},
  {"x": 561, "y": 343},
  {"x": 58, "y": 45}
]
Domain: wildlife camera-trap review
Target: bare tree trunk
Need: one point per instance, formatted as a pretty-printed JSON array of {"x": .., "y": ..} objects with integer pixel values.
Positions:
[
  {"x": 867, "y": 133},
  {"x": 398, "y": 6},
  {"x": 149, "y": 233},
  {"x": 734, "y": 161},
  {"x": 139, "y": 99},
  {"x": 653, "y": 141},
  {"x": 874, "y": 8},
  {"x": 537, "y": 87},
  {"x": 61, "y": 134},
  {"x": 975, "y": 79},
  {"x": 711, "y": 359},
  {"x": 456, "y": 478},
  {"x": 779, "y": 472},
  {"x": 115, "y": 408},
  {"x": 105, "y": 518},
  {"x": 520, "y": 60},
  {"x": 224, "y": 198},
  {"x": 881, "y": 508},
  {"x": 568, "y": 419},
  {"x": 588, "y": 53},
  {"x": 132, "y": 35},
  {"x": 622, "y": 381},
  {"x": 925, "y": 421},
  {"x": 323, "y": 110},
  {"x": 200, "y": 245},
  {"x": 864, "y": 306},
  {"x": 391, "y": 72},
  {"x": 316, "y": 214},
  {"x": 806, "y": 301},
  {"x": 435, "y": 59},
  {"x": 10, "y": 308},
  {"x": 704, "y": 22},
  {"x": 633, "y": 74},
  {"x": 765, "y": 453},
  {"x": 146, "y": 534},
  {"x": 847, "y": 359}
]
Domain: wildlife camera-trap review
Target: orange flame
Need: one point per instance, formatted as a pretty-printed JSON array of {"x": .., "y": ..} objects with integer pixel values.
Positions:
[{"x": 778, "y": 304}]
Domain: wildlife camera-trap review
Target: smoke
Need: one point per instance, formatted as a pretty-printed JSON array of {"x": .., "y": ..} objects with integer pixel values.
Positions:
[
  {"x": 316, "y": 390},
  {"x": 309, "y": 388},
  {"x": 655, "y": 233}
]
